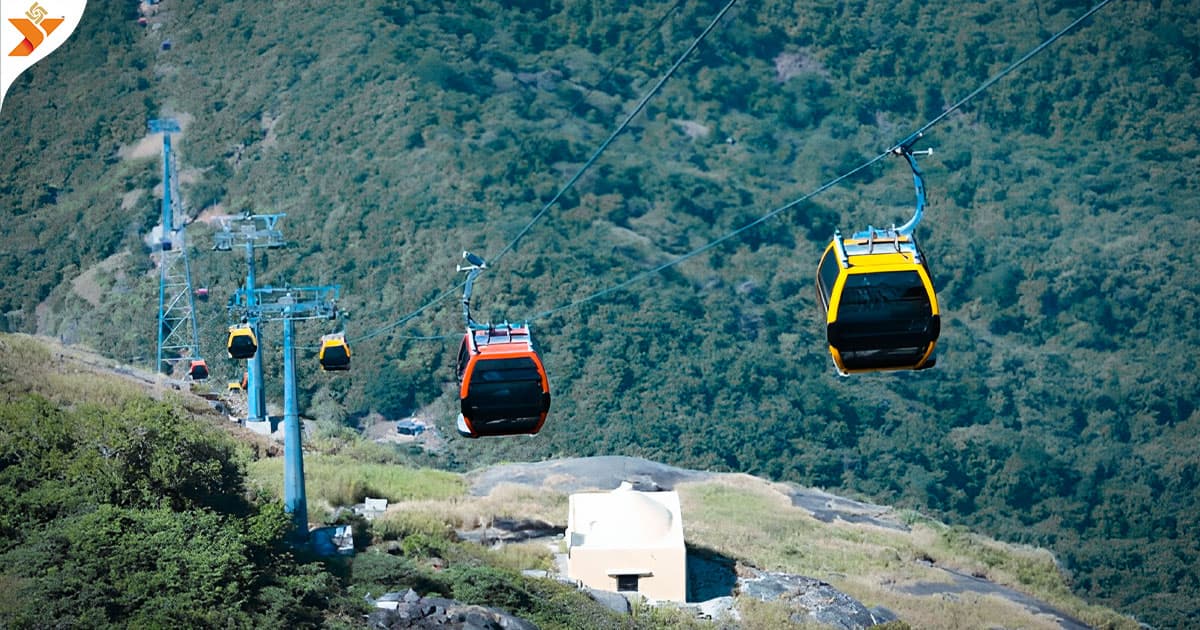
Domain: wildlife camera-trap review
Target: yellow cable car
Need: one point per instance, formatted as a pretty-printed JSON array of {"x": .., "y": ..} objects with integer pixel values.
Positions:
[
  {"x": 877, "y": 296},
  {"x": 334, "y": 354},
  {"x": 242, "y": 343}
]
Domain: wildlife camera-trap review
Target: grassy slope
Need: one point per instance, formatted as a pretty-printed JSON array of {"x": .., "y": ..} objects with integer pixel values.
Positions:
[
  {"x": 398, "y": 134},
  {"x": 739, "y": 516}
]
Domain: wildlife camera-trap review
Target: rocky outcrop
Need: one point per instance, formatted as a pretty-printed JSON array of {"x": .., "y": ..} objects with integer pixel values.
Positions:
[
  {"x": 398, "y": 611},
  {"x": 576, "y": 474},
  {"x": 812, "y": 601}
]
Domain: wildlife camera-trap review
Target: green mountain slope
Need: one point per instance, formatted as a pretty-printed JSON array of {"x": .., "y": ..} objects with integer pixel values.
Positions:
[{"x": 395, "y": 134}]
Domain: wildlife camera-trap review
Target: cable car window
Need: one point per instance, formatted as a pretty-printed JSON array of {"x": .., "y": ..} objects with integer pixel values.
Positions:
[
  {"x": 885, "y": 295},
  {"x": 504, "y": 388},
  {"x": 464, "y": 354},
  {"x": 881, "y": 358},
  {"x": 884, "y": 311},
  {"x": 827, "y": 275},
  {"x": 335, "y": 356}
]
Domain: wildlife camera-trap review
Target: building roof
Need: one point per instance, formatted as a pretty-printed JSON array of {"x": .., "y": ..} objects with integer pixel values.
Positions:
[{"x": 624, "y": 518}]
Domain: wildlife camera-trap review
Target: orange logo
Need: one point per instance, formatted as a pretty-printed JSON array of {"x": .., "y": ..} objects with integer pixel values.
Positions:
[{"x": 34, "y": 26}]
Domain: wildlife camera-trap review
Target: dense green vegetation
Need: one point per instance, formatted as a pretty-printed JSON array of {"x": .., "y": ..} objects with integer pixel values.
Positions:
[
  {"x": 117, "y": 510},
  {"x": 1063, "y": 408}
]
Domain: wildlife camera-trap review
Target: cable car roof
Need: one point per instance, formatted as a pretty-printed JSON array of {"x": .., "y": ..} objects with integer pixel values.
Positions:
[{"x": 502, "y": 340}]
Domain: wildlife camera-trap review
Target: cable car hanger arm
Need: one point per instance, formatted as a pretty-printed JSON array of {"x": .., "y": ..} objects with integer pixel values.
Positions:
[
  {"x": 904, "y": 149},
  {"x": 476, "y": 266}
]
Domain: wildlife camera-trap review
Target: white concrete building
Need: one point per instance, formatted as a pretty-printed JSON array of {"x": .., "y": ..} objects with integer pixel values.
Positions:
[{"x": 628, "y": 541}]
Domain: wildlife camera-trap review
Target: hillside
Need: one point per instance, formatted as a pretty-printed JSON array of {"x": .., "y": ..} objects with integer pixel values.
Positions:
[
  {"x": 77, "y": 405},
  {"x": 1062, "y": 413}
]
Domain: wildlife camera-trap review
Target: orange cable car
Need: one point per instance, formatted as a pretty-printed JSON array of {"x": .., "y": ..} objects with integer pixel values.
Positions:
[
  {"x": 335, "y": 353},
  {"x": 877, "y": 296},
  {"x": 503, "y": 387},
  {"x": 198, "y": 370}
]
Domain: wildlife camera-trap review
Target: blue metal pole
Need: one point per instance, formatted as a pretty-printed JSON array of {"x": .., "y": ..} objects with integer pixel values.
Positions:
[
  {"x": 164, "y": 240},
  {"x": 168, "y": 221},
  {"x": 255, "y": 400},
  {"x": 162, "y": 289},
  {"x": 294, "y": 500}
]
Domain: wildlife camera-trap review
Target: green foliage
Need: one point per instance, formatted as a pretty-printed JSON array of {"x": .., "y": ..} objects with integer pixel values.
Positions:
[
  {"x": 378, "y": 573},
  {"x": 58, "y": 463},
  {"x": 488, "y": 586},
  {"x": 1057, "y": 201},
  {"x": 759, "y": 615},
  {"x": 475, "y": 575},
  {"x": 137, "y": 515},
  {"x": 118, "y": 565},
  {"x": 425, "y": 545}
]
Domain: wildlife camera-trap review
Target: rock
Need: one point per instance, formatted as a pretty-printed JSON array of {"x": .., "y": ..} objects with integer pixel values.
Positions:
[
  {"x": 510, "y": 530},
  {"x": 397, "y": 611},
  {"x": 577, "y": 474},
  {"x": 813, "y": 601},
  {"x": 475, "y": 620},
  {"x": 718, "y": 608},
  {"x": 613, "y": 601},
  {"x": 883, "y": 615}
]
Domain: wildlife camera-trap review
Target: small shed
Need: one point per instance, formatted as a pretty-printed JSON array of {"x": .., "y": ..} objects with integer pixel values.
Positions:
[{"x": 628, "y": 541}]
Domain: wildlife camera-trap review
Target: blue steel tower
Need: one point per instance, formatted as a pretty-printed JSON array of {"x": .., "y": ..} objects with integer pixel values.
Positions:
[
  {"x": 289, "y": 305},
  {"x": 251, "y": 231},
  {"x": 178, "y": 337}
]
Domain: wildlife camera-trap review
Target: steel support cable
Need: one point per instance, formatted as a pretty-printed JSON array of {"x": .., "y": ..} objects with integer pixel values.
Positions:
[
  {"x": 823, "y": 187},
  {"x": 575, "y": 178},
  {"x": 410, "y": 337},
  {"x": 613, "y": 136},
  {"x": 409, "y": 317},
  {"x": 658, "y": 24},
  {"x": 831, "y": 183},
  {"x": 1003, "y": 73}
]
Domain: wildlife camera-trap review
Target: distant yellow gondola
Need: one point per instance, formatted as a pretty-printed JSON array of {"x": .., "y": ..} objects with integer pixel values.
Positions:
[
  {"x": 335, "y": 353},
  {"x": 877, "y": 296},
  {"x": 242, "y": 343}
]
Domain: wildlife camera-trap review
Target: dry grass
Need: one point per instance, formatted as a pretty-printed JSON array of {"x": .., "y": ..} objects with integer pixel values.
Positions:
[
  {"x": 338, "y": 481},
  {"x": 73, "y": 375},
  {"x": 961, "y": 610},
  {"x": 505, "y": 501},
  {"x": 751, "y": 520}
]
